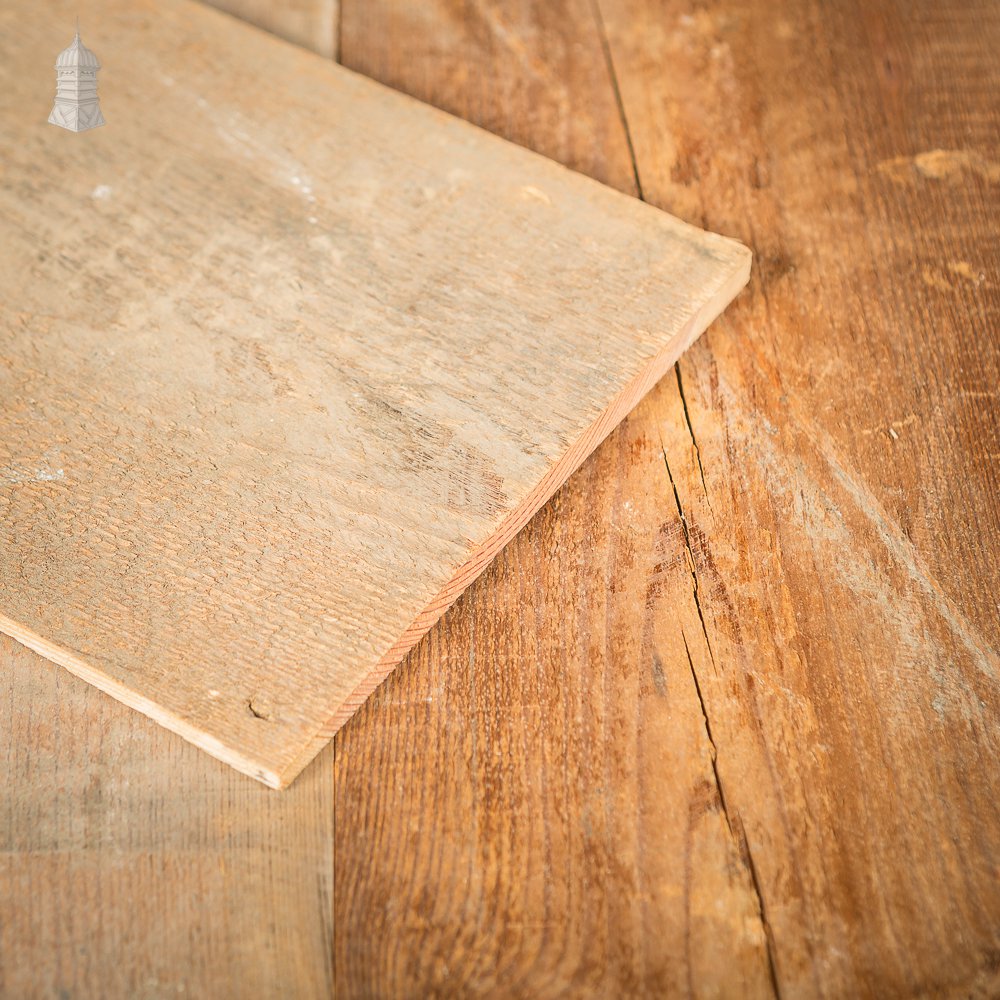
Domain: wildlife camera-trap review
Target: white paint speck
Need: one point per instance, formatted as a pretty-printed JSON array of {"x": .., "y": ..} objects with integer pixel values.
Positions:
[
  {"x": 312, "y": 220},
  {"x": 48, "y": 475},
  {"x": 530, "y": 191},
  {"x": 101, "y": 193},
  {"x": 213, "y": 693}
]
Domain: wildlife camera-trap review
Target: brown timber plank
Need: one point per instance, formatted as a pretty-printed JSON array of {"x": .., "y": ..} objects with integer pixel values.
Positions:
[{"x": 841, "y": 491}]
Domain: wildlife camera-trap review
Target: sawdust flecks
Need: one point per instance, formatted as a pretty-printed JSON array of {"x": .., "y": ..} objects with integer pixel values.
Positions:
[{"x": 964, "y": 269}]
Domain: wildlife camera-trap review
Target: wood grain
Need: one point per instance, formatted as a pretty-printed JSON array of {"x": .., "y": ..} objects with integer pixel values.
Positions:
[
  {"x": 548, "y": 822},
  {"x": 312, "y": 24},
  {"x": 843, "y": 503},
  {"x": 244, "y": 478},
  {"x": 815, "y": 548},
  {"x": 541, "y": 815},
  {"x": 134, "y": 865}
]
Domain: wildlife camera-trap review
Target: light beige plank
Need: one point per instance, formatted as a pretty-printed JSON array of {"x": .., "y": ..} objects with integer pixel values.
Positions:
[
  {"x": 285, "y": 367},
  {"x": 310, "y": 23}
]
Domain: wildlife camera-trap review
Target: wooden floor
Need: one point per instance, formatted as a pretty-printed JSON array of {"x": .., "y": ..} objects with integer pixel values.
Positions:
[{"x": 724, "y": 719}]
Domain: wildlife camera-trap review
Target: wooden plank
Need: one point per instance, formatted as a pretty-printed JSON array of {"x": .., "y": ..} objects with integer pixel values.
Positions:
[
  {"x": 840, "y": 487},
  {"x": 310, "y": 23},
  {"x": 553, "y": 756},
  {"x": 156, "y": 886},
  {"x": 287, "y": 366},
  {"x": 134, "y": 865},
  {"x": 844, "y": 783},
  {"x": 533, "y": 73},
  {"x": 547, "y": 821},
  {"x": 546, "y": 935}
]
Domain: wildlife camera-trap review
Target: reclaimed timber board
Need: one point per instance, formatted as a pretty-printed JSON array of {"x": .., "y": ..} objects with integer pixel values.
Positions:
[
  {"x": 310, "y": 23},
  {"x": 287, "y": 359},
  {"x": 585, "y": 851}
]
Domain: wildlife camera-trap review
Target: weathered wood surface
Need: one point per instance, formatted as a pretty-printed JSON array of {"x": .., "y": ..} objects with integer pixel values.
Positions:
[
  {"x": 313, "y": 24},
  {"x": 285, "y": 368},
  {"x": 134, "y": 865},
  {"x": 546, "y": 817},
  {"x": 827, "y": 600}
]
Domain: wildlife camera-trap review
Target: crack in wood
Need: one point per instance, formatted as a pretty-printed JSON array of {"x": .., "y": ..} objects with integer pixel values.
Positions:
[
  {"x": 765, "y": 923},
  {"x": 602, "y": 34},
  {"x": 740, "y": 838},
  {"x": 694, "y": 440},
  {"x": 692, "y": 567}
]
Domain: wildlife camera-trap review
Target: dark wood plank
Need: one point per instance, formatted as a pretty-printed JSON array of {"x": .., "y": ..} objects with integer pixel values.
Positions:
[{"x": 842, "y": 502}]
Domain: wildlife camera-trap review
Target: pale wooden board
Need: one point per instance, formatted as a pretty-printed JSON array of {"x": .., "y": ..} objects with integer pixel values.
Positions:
[
  {"x": 285, "y": 365},
  {"x": 312, "y": 23}
]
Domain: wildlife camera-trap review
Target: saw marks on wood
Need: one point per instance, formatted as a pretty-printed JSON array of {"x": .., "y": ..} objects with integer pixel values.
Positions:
[{"x": 285, "y": 366}]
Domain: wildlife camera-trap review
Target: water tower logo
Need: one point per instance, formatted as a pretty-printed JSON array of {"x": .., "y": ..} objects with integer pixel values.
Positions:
[{"x": 76, "y": 106}]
